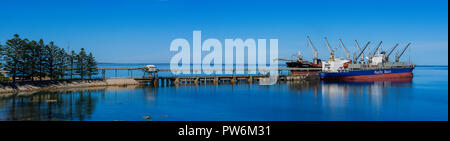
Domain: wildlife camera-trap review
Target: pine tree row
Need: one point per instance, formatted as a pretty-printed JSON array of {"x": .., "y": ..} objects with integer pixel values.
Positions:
[{"x": 24, "y": 59}]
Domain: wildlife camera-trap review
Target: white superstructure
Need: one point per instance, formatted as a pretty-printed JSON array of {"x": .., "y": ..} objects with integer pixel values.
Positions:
[
  {"x": 335, "y": 65},
  {"x": 377, "y": 59}
]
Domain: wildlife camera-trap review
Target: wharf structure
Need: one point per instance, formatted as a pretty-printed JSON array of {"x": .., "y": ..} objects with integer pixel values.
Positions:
[{"x": 154, "y": 79}]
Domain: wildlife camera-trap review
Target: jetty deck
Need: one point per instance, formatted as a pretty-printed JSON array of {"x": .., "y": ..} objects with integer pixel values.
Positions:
[{"x": 156, "y": 80}]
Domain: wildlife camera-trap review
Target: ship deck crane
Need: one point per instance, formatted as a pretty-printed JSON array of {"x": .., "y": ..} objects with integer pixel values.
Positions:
[
  {"x": 332, "y": 54},
  {"x": 316, "y": 54},
  {"x": 397, "y": 57},
  {"x": 359, "y": 49},
  {"x": 376, "y": 49},
  {"x": 390, "y": 52},
  {"x": 362, "y": 51},
  {"x": 347, "y": 54}
]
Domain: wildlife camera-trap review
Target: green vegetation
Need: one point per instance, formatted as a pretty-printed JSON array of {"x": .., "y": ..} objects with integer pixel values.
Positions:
[{"x": 23, "y": 59}]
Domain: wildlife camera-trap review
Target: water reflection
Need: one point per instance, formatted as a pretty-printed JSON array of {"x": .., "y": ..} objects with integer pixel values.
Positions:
[
  {"x": 362, "y": 100},
  {"x": 302, "y": 100},
  {"x": 63, "y": 104},
  {"x": 342, "y": 89},
  {"x": 303, "y": 86},
  {"x": 375, "y": 90}
]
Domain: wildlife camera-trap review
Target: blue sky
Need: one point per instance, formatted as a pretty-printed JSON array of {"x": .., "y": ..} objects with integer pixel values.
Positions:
[{"x": 141, "y": 31}]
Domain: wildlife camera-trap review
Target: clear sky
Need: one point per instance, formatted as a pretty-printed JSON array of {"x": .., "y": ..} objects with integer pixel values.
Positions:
[{"x": 141, "y": 31}]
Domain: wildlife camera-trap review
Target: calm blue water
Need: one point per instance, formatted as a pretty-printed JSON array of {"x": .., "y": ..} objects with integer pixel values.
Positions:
[{"x": 425, "y": 97}]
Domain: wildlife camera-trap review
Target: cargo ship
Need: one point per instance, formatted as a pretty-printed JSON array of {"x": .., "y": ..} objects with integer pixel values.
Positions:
[
  {"x": 370, "y": 73},
  {"x": 299, "y": 62},
  {"x": 378, "y": 67}
]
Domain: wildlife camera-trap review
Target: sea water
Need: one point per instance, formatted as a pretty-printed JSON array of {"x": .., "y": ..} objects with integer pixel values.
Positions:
[{"x": 424, "y": 97}]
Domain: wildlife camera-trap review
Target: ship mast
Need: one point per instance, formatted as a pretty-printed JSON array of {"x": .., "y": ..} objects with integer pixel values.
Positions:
[
  {"x": 397, "y": 57},
  {"x": 347, "y": 54},
  {"x": 315, "y": 61}
]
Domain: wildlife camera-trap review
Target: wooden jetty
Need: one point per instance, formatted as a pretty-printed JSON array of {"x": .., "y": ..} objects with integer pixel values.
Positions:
[
  {"x": 177, "y": 80},
  {"x": 216, "y": 79}
]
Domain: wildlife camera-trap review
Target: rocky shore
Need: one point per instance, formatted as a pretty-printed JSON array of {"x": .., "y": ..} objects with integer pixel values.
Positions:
[{"x": 61, "y": 84}]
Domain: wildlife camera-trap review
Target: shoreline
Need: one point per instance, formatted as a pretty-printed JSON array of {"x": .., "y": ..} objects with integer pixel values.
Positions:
[{"x": 63, "y": 84}]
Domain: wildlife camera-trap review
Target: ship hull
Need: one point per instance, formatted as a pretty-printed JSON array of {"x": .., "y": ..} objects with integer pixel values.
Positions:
[
  {"x": 376, "y": 74},
  {"x": 302, "y": 65}
]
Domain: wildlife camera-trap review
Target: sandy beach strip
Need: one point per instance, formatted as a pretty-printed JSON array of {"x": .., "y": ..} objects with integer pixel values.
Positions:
[{"x": 62, "y": 84}]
